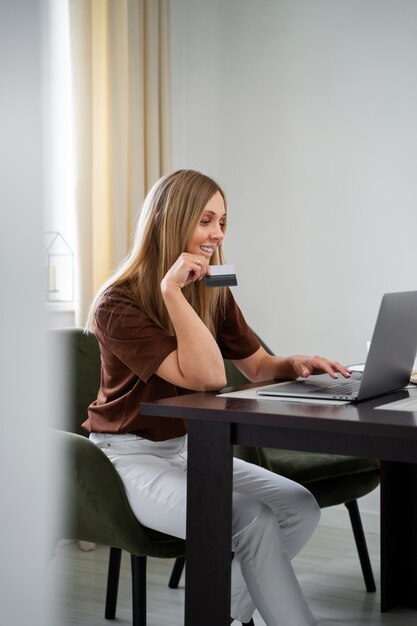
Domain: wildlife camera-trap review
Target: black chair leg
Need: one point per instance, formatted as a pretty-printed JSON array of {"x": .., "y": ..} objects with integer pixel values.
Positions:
[
  {"x": 138, "y": 565},
  {"x": 176, "y": 572},
  {"x": 361, "y": 546},
  {"x": 112, "y": 582}
]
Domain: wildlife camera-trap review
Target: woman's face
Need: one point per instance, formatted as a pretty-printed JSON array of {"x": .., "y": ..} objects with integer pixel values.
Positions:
[{"x": 209, "y": 233}]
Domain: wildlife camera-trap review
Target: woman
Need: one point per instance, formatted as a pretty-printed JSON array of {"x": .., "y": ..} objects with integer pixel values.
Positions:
[{"x": 162, "y": 332}]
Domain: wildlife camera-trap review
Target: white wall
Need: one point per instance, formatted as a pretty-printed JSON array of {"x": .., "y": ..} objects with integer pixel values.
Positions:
[
  {"x": 25, "y": 482},
  {"x": 305, "y": 113}
]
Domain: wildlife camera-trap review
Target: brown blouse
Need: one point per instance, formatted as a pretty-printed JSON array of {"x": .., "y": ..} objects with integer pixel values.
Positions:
[{"x": 132, "y": 348}]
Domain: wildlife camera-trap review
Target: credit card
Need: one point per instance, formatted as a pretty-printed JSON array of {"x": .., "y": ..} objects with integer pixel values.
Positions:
[{"x": 221, "y": 276}]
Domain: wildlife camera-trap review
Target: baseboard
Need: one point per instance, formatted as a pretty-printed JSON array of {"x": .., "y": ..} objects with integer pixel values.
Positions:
[{"x": 338, "y": 517}]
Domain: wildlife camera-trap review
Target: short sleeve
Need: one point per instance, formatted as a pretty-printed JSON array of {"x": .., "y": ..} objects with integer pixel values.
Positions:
[{"x": 125, "y": 331}]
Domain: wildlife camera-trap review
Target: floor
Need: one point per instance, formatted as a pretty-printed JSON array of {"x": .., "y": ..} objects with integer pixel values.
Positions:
[{"x": 328, "y": 570}]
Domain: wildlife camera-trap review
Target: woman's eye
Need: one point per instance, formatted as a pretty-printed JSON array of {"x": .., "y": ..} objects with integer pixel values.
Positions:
[{"x": 205, "y": 222}]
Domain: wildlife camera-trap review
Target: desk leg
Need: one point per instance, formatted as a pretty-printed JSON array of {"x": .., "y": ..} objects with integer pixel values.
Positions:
[
  {"x": 209, "y": 514},
  {"x": 398, "y": 535}
]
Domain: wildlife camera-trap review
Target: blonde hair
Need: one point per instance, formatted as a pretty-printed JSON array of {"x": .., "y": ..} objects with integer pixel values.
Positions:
[{"x": 169, "y": 216}]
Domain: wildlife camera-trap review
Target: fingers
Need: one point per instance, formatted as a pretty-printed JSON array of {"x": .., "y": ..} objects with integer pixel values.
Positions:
[
  {"x": 321, "y": 365},
  {"x": 198, "y": 267},
  {"x": 187, "y": 269},
  {"x": 338, "y": 367},
  {"x": 304, "y": 368}
]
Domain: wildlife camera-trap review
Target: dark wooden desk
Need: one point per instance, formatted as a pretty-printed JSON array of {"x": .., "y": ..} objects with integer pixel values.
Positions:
[{"x": 215, "y": 423}]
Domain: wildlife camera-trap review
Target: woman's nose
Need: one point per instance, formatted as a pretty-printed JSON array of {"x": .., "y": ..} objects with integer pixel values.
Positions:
[{"x": 217, "y": 233}]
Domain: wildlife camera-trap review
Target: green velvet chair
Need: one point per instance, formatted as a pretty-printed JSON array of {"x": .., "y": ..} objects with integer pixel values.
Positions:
[
  {"x": 332, "y": 479},
  {"x": 96, "y": 508}
]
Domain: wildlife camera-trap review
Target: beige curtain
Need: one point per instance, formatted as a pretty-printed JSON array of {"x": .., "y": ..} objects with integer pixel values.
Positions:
[{"x": 121, "y": 86}]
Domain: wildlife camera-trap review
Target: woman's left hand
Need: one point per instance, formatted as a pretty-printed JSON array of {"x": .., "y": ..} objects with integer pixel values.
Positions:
[{"x": 306, "y": 365}]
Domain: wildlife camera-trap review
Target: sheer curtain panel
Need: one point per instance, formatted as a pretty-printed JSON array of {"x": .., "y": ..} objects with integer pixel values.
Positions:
[{"x": 121, "y": 90}]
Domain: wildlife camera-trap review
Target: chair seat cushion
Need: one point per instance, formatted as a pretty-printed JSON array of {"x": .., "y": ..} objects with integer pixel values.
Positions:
[
  {"x": 308, "y": 467},
  {"x": 332, "y": 479},
  {"x": 164, "y": 546}
]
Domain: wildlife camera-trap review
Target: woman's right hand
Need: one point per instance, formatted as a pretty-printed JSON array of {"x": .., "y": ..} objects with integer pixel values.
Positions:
[
  {"x": 187, "y": 269},
  {"x": 197, "y": 363}
]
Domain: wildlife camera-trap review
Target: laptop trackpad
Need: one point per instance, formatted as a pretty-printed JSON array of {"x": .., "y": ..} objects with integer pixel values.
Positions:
[{"x": 313, "y": 384}]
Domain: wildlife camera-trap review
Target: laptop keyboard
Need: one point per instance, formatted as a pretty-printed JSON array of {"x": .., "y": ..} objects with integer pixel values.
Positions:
[{"x": 347, "y": 388}]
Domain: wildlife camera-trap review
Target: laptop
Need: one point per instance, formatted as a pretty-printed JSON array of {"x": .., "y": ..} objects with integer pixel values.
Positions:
[{"x": 388, "y": 365}]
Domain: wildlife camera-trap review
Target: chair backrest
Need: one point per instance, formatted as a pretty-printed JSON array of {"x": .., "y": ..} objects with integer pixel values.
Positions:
[
  {"x": 79, "y": 357},
  {"x": 95, "y": 506}
]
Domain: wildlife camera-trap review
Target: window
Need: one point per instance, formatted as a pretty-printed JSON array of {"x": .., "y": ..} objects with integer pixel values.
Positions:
[{"x": 60, "y": 210}]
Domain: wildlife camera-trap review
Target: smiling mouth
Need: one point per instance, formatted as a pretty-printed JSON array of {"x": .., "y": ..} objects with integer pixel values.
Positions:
[{"x": 208, "y": 249}]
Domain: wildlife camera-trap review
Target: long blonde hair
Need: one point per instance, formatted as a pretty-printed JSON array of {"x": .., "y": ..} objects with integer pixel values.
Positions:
[{"x": 169, "y": 216}]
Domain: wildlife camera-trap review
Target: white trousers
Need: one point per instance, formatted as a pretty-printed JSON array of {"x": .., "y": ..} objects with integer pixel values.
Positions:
[{"x": 273, "y": 518}]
